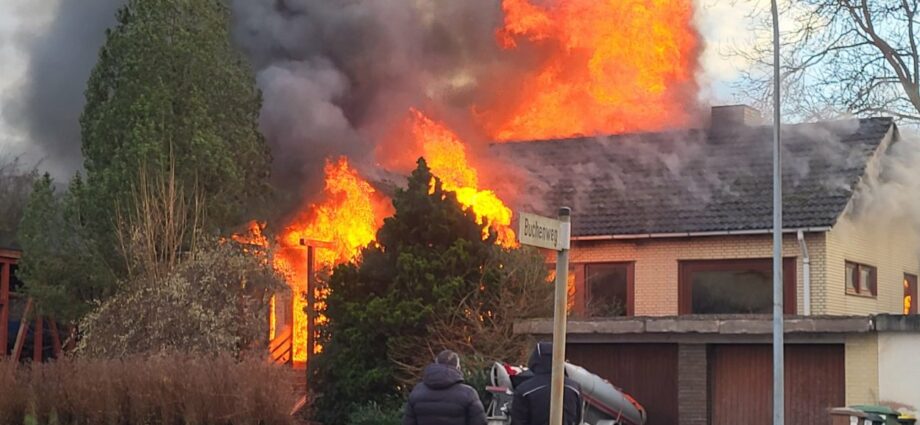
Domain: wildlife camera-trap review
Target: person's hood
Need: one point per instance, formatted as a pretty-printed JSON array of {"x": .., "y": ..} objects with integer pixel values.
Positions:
[
  {"x": 437, "y": 376},
  {"x": 541, "y": 360}
]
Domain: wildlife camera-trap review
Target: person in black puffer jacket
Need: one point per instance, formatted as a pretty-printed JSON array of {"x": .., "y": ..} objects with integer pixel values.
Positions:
[
  {"x": 442, "y": 398},
  {"x": 530, "y": 405}
]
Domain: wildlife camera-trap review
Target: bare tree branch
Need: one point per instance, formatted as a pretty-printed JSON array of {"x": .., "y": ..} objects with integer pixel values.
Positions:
[{"x": 841, "y": 57}]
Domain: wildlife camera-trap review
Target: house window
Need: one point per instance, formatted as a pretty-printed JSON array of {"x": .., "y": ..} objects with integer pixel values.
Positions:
[
  {"x": 910, "y": 294},
  {"x": 733, "y": 286},
  {"x": 608, "y": 289},
  {"x": 861, "y": 279}
]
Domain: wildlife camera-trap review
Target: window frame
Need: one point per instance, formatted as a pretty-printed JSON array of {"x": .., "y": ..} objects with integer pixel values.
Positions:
[
  {"x": 581, "y": 272},
  {"x": 859, "y": 292},
  {"x": 686, "y": 269}
]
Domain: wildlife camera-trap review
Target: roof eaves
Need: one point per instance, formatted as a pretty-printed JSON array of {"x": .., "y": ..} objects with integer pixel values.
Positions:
[{"x": 820, "y": 229}]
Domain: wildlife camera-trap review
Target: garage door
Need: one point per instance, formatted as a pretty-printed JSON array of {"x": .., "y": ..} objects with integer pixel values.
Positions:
[
  {"x": 648, "y": 372},
  {"x": 741, "y": 383}
]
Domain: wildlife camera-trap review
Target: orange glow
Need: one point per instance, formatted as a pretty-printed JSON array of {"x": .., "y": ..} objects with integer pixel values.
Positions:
[
  {"x": 908, "y": 298},
  {"x": 570, "y": 289},
  {"x": 447, "y": 157},
  {"x": 255, "y": 236},
  {"x": 344, "y": 222},
  {"x": 272, "y": 319},
  {"x": 339, "y": 226},
  {"x": 605, "y": 67}
]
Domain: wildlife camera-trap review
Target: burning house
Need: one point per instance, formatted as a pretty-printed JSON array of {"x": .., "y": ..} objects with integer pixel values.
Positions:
[
  {"x": 595, "y": 105},
  {"x": 671, "y": 260}
]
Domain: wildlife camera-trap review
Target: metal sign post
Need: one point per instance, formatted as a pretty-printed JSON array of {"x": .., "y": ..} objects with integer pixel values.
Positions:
[{"x": 553, "y": 234}]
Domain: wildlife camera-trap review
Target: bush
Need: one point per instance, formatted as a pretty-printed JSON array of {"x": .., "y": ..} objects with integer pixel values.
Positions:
[
  {"x": 213, "y": 302},
  {"x": 375, "y": 414},
  {"x": 174, "y": 390}
]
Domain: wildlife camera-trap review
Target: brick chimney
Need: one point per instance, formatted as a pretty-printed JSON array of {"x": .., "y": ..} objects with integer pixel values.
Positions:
[{"x": 729, "y": 116}]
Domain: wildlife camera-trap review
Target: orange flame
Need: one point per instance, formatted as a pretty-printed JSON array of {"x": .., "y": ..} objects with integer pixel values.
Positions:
[
  {"x": 447, "y": 157},
  {"x": 607, "y": 67},
  {"x": 908, "y": 297},
  {"x": 339, "y": 226},
  {"x": 343, "y": 223}
]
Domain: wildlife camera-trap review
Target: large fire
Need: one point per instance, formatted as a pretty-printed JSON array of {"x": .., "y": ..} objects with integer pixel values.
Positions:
[
  {"x": 446, "y": 156},
  {"x": 605, "y": 67},
  {"x": 346, "y": 219},
  {"x": 598, "y": 67},
  {"x": 344, "y": 222}
]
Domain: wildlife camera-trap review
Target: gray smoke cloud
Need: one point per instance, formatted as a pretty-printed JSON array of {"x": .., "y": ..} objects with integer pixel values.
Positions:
[
  {"x": 45, "y": 108},
  {"x": 337, "y": 77},
  {"x": 889, "y": 194}
]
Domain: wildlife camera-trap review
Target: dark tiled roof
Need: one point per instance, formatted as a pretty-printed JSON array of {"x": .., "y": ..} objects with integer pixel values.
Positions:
[{"x": 696, "y": 180}]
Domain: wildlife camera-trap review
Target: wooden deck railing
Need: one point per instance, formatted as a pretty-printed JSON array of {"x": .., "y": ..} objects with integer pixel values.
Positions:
[{"x": 281, "y": 349}]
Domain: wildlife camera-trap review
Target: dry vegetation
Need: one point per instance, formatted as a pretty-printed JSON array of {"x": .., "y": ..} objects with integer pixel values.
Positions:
[
  {"x": 174, "y": 390},
  {"x": 481, "y": 326}
]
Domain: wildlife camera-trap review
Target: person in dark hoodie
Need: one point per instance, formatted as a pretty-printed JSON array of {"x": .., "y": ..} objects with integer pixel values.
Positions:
[
  {"x": 442, "y": 398},
  {"x": 531, "y": 402}
]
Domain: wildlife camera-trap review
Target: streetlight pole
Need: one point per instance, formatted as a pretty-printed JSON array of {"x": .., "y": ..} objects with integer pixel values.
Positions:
[{"x": 779, "y": 395}]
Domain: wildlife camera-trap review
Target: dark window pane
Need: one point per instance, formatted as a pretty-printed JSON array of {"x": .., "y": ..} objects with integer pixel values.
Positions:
[
  {"x": 851, "y": 278},
  {"x": 740, "y": 291},
  {"x": 607, "y": 289}
]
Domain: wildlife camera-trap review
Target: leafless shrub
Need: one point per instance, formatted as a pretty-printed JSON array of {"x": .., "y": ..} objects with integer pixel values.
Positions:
[
  {"x": 170, "y": 389},
  {"x": 481, "y": 327},
  {"x": 162, "y": 224}
]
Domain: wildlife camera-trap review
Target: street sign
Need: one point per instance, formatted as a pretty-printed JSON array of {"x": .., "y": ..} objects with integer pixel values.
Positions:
[{"x": 542, "y": 232}]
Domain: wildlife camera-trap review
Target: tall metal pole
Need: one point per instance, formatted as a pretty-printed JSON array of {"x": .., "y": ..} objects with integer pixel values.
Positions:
[
  {"x": 559, "y": 318},
  {"x": 779, "y": 396}
]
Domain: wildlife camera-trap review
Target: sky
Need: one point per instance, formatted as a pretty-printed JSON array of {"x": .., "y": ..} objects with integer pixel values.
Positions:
[{"x": 722, "y": 24}]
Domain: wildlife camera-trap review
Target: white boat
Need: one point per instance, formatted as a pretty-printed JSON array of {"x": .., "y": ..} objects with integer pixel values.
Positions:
[{"x": 604, "y": 404}]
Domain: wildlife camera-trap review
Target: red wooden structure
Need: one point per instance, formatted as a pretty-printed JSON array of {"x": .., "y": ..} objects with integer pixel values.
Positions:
[{"x": 8, "y": 298}]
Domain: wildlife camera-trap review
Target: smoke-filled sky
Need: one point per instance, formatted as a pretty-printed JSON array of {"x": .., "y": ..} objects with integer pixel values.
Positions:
[{"x": 49, "y": 47}]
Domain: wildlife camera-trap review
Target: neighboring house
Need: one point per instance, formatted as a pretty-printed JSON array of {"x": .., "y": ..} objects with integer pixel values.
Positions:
[{"x": 671, "y": 259}]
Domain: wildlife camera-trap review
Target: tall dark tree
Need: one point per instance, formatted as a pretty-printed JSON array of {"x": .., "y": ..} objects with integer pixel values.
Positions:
[
  {"x": 428, "y": 256},
  {"x": 61, "y": 266},
  {"x": 15, "y": 185},
  {"x": 170, "y": 92}
]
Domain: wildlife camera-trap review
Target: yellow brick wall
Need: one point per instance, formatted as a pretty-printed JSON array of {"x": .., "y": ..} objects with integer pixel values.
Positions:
[
  {"x": 656, "y": 262},
  {"x": 861, "y": 369},
  {"x": 892, "y": 249}
]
